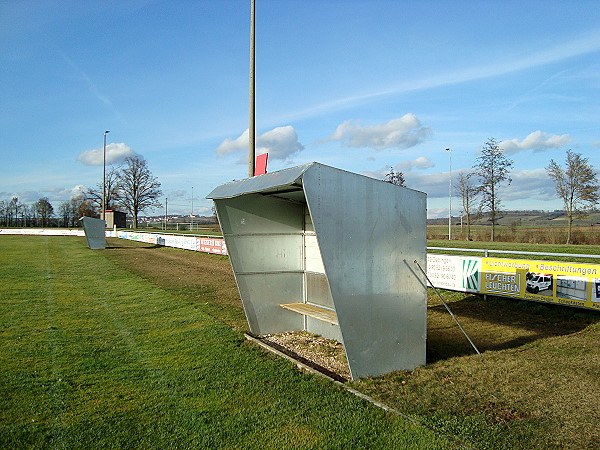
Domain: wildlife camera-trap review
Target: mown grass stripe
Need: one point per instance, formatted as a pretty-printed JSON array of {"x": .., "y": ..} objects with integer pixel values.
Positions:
[
  {"x": 57, "y": 389},
  {"x": 533, "y": 389},
  {"x": 141, "y": 368}
]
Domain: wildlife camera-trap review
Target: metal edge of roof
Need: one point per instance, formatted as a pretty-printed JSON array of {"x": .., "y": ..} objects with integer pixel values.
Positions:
[
  {"x": 366, "y": 176},
  {"x": 272, "y": 180}
]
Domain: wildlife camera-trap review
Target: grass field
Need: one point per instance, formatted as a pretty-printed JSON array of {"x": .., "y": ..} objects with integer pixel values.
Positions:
[
  {"x": 141, "y": 346},
  {"x": 547, "y": 234},
  {"x": 97, "y": 353},
  {"x": 536, "y": 385},
  {"x": 511, "y": 246}
]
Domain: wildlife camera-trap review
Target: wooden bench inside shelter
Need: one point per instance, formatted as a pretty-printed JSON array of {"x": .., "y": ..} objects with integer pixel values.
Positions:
[{"x": 311, "y": 310}]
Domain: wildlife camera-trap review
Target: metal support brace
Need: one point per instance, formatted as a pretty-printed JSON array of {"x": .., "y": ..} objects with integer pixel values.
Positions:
[{"x": 447, "y": 307}]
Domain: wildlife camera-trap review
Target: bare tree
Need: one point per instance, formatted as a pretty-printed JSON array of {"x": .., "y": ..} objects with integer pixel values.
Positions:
[
  {"x": 11, "y": 211},
  {"x": 469, "y": 195},
  {"x": 396, "y": 178},
  {"x": 64, "y": 212},
  {"x": 577, "y": 186},
  {"x": 33, "y": 215},
  {"x": 83, "y": 207},
  {"x": 26, "y": 215},
  {"x": 139, "y": 189},
  {"x": 71, "y": 210},
  {"x": 113, "y": 195},
  {"x": 492, "y": 168},
  {"x": 4, "y": 213},
  {"x": 44, "y": 210}
]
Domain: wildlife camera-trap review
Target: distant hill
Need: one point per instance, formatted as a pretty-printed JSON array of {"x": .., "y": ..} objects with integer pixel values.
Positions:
[{"x": 531, "y": 218}]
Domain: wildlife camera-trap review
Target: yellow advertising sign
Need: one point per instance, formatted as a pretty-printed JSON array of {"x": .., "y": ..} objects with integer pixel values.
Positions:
[{"x": 565, "y": 283}]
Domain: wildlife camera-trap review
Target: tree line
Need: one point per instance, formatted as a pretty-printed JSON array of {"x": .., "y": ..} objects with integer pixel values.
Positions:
[
  {"x": 576, "y": 185},
  {"x": 14, "y": 213},
  {"x": 131, "y": 187}
]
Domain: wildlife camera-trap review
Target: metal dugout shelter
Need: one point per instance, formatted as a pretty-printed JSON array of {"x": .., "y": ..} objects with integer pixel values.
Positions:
[
  {"x": 94, "y": 232},
  {"x": 331, "y": 252}
]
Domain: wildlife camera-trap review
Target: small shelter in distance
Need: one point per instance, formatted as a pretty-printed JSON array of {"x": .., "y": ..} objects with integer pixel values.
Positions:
[
  {"x": 331, "y": 252},
  {"x": 95, "y": 232},
  {"x": 115, "y": 219}
]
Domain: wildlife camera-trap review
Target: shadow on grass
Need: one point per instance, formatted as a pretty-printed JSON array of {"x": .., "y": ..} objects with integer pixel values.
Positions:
[
  {"x": 140, "y": 245},
  {"x": 498, "y": 324}
]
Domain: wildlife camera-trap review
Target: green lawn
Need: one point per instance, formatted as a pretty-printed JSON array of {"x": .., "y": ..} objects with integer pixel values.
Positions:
[
  {"x": 523, "y": 247},
  {"x": 95, "y": 356},
  {"x": 536, "y": 385}
]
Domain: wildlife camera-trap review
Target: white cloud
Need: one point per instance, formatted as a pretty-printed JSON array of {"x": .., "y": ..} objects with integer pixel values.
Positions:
[
  {"x": 596, "y": 144},
  {"x": 64, "y": 194},
  {"x": 233, "y": 145},
  {"x": 421, "y": 163},
  {"x": 433, "y": 184},
  {"x": 403, "y": 132},
  {"x": 178, "y": 193},
  {"x": 436, "y": 213},
  {"x": 280, "y": 143},
  {"x": 115, "y": 153},
  {"x": 534, "y": 185},
  {"x": 24, "y": 197},
  {"x": 54, "y": 194},
  {"x": 537, "y": 141}
]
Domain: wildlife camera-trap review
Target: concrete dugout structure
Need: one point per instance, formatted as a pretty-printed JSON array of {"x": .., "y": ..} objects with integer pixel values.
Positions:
[{"x": 331, "y": 252}]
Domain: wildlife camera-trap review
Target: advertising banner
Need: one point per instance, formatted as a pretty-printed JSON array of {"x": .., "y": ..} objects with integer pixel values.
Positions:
[
  {"x": 456, "y": 273},
  {"x": 216, "y": 246},
  {"x": 194, "y": 243},
  {"x": 566, "y": 283}
]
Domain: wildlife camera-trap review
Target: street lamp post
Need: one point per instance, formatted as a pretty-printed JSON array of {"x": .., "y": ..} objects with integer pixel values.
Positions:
[
  {"x": 450, "y": 199},
  {"x": 192, "y": 211},
  {"x": 252, "y": 109},
  {"x": 166, "y": 212},
  {"x": 102, "y": 214}
]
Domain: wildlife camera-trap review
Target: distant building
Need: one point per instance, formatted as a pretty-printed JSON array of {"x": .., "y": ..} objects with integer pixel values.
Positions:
[{"x": 115, "y": 218}]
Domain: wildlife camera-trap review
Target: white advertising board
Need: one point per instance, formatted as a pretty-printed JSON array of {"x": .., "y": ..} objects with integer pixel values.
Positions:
[{"x": 457, "y": 273}]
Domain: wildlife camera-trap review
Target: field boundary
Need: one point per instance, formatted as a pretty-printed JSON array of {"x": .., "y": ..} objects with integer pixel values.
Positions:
[{"x": 552, "y": 282}]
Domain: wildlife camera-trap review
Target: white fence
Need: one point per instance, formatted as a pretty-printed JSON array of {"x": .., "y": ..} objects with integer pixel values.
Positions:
[
  {"x": 198, "y": 243},
  {"x": 44, "y": 231}
]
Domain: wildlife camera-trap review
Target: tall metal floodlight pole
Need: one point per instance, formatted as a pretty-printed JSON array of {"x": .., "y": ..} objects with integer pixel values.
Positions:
[
  {"x": 104, "y": 179},
  {"x": 251, "y": 122},
  {"x": 450, "y": 199}
]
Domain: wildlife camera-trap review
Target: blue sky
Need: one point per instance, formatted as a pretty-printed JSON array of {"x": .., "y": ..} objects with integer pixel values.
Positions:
[{"x": 358, "y": 85}]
